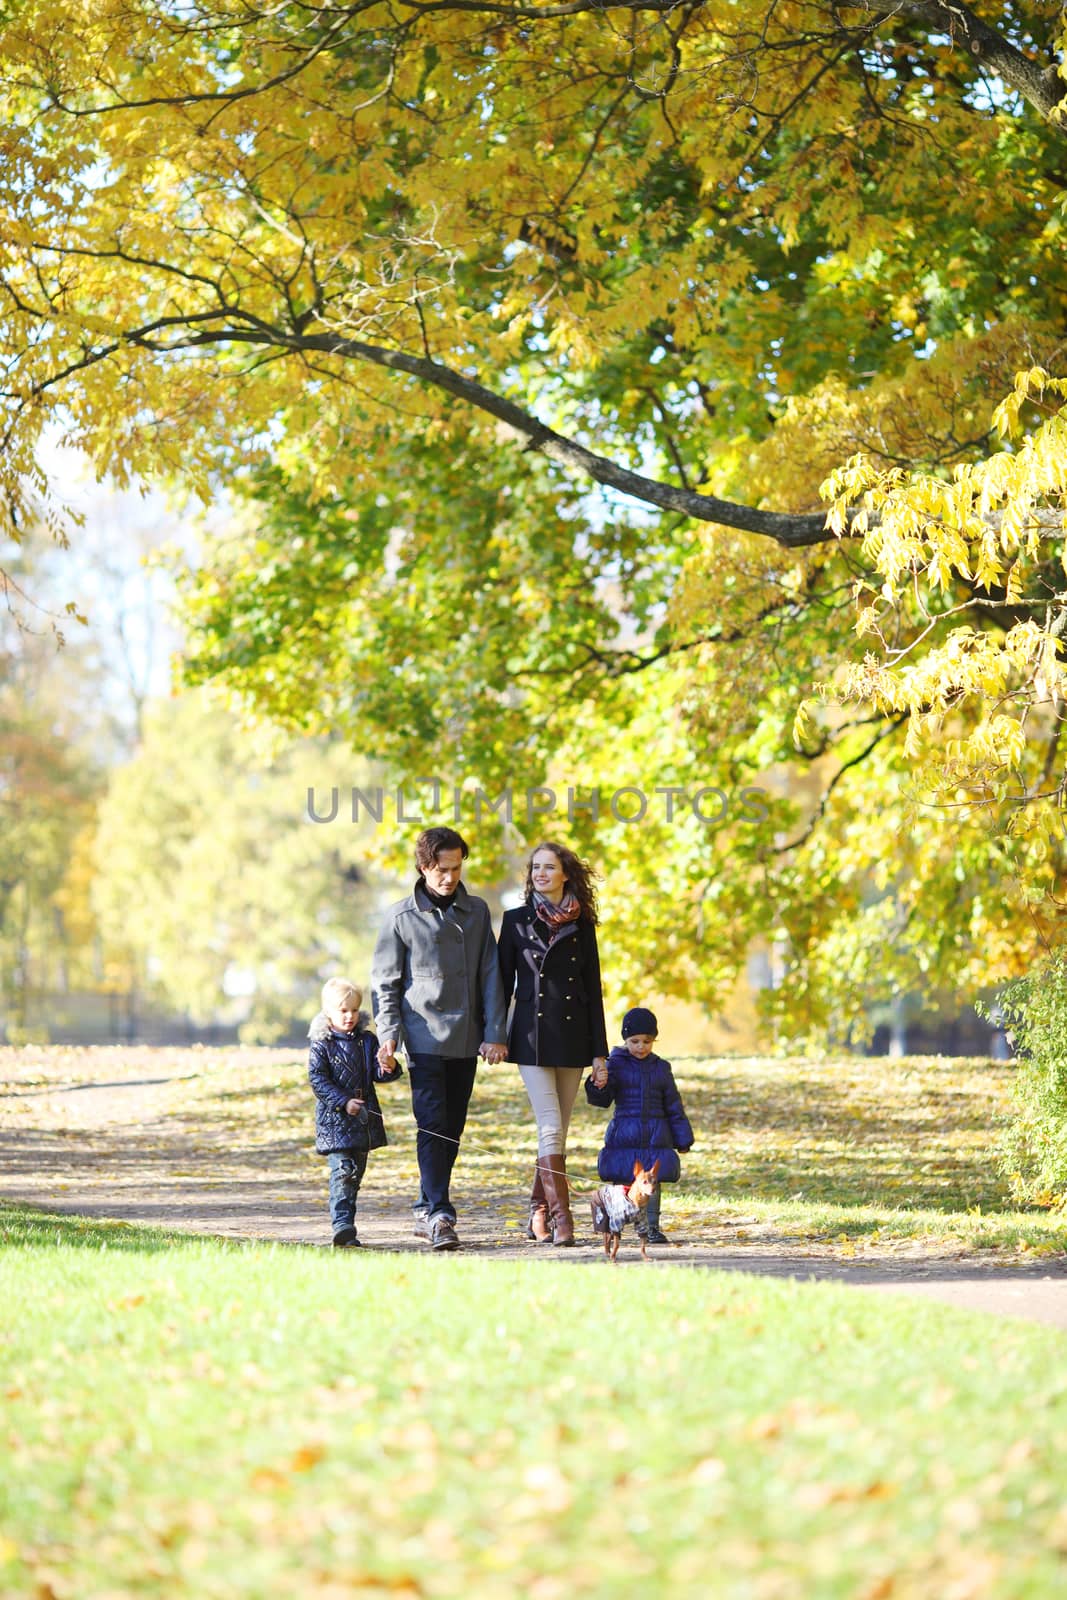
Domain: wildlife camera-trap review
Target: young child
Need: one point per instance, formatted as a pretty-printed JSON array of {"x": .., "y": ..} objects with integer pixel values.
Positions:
[
  {"x": 650, "y": 1123},
  {"x": 342, "y": 1069}
]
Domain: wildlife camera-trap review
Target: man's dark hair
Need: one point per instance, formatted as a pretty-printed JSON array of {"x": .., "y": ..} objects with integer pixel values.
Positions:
[{"x": 432, "y": 841}]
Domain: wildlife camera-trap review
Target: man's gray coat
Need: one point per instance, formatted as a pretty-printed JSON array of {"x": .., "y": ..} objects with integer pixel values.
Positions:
[{"x": 436, "y": 977}]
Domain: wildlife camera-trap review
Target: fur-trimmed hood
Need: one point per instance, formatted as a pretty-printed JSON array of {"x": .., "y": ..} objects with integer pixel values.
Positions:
[{"x": 321, "y": 1027}]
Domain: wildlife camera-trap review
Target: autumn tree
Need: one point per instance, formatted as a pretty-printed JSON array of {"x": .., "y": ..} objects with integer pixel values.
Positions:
[{"x": 418, "y": 277}]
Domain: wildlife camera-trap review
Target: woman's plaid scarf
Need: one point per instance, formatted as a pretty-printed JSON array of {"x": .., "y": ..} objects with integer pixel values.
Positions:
[{"x": 557, "y": 916}]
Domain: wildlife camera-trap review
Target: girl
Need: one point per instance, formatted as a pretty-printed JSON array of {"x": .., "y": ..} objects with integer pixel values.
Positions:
[{"x": 650, "y": 1123}]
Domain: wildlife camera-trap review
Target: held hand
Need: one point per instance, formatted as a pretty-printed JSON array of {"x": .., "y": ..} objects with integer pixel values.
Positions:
[
  {"x": 354, "y": 1107},
  {"x": 493, "y": 1053},
  {"x": 386, "y": 1053},
  {"x": 600, "y": 1072}
]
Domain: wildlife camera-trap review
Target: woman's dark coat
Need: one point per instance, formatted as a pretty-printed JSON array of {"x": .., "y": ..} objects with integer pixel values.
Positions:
[
  {"x": 559, "y": 1009},
  {"x": 344, "y": 1067},
  {"x": 649, "y": 1124}
]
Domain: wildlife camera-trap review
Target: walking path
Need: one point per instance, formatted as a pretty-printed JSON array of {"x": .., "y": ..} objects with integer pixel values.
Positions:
[{"x": 118, "y": 1149}]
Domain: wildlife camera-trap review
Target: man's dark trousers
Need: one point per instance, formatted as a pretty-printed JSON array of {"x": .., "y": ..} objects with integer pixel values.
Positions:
[{"x": 440, "y": 1093}]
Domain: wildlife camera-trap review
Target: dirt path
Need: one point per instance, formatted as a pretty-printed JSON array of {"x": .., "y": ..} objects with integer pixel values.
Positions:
[{"x": 122, "y": 1148}]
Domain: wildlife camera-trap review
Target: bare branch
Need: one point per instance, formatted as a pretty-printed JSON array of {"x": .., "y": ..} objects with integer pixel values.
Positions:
[
  {"x": 786, "y": 528},
  {"x": 820, "y": 811}
]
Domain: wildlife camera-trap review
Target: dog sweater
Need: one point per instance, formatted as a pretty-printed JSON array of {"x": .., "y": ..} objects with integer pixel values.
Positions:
[{"x": 612, "y": 1208}]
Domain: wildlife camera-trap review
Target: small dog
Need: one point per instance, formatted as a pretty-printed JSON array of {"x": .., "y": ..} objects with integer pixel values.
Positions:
[{"x": 616, "y": 1204}]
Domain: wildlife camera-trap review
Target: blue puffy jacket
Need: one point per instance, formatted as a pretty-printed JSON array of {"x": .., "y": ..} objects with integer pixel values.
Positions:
[{"x": 649, "y": 1124}]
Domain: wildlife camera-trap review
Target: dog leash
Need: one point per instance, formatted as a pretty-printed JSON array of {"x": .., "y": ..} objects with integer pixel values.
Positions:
[
  {"x": 469, "y": 1143},
  {"x": 474, "y": 1144}
]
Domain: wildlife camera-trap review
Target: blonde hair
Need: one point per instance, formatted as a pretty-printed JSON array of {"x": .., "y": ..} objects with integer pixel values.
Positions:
[{"x": 334, "y": 990}]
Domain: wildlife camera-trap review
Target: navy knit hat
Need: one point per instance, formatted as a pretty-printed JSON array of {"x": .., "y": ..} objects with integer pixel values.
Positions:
[{"x": 639, "y": 1020}]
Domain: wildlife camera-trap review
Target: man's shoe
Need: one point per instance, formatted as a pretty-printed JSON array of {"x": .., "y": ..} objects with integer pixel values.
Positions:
[
  {"x": 654, "y": 1236},
  {"x": 422, "y": 1225},
  {"x": 346, "y": 1239},
  {"x": 443, "y": 1235}
]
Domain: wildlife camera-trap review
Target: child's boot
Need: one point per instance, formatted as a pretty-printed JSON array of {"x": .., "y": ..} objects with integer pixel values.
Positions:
[
  {"x": 651, "y": 1229},
  {"x": 344, "y": 1190}
]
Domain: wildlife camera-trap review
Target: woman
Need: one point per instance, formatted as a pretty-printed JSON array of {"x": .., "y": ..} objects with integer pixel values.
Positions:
[{"x": 549, "y": 960}]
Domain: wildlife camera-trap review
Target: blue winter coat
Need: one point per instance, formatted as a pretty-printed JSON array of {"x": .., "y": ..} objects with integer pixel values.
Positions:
[
  {"x": 343, "y": 1067},
  {"x": 649, "y": 1124}
]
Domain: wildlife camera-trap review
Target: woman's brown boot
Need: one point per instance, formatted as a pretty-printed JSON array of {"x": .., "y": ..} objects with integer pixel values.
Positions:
[
  {"x": 554, "y": 1179},
  {"x": 538, "y": 1229}
]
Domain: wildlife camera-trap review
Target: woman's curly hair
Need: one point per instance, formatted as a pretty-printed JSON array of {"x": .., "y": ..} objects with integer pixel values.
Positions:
[{"x": 578, "y": 873}]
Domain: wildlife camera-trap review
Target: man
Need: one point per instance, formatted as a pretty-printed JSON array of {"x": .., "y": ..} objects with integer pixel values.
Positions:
[{"x": 436, "y": 983}]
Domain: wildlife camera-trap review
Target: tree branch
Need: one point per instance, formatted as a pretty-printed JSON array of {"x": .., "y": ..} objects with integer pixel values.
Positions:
[
  {"x": 791, "y": 530},
  {"x": 1041, "y": 86},
  {"x": 820, "y": 811},
  {"x": 788, "y": 529}
]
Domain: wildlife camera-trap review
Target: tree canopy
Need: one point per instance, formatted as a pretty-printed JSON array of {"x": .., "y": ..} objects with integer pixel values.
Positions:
[
  {"x": 530, "y": 333},
  {"x": 521, "y": 208}
]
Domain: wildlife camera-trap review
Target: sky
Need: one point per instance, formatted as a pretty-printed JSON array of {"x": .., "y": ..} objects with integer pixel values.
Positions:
[{"x": 118, "y": 571}]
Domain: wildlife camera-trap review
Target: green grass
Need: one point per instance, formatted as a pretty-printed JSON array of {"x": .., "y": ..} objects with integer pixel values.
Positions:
[
  {"x": 187, "y": 1418},
  {"x": 859, "y": 1154}
]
